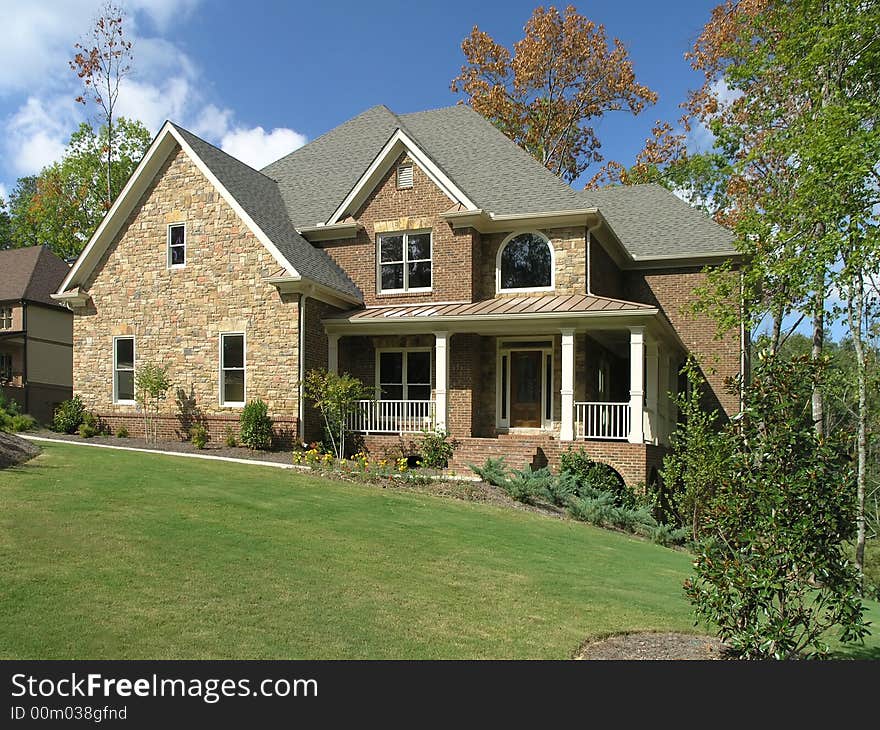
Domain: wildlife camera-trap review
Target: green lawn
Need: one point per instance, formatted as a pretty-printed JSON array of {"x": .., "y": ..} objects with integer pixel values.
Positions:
[{"x": 108, "y": 554}]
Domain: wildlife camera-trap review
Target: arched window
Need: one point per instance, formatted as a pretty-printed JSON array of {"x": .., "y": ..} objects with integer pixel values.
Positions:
[{"x": 525, "y": 261}]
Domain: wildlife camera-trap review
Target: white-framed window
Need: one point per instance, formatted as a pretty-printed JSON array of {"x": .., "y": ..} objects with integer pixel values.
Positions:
[
  {"x": 404, "y": 176},
  {"x": 404, "y": 262},
  {"x": 5, "y": 318},
  {"x": 232, "y": 369},
  {"x": 525, "y": 262},
  {"x": 404, "y": 374},
  {"x": 123, "y": 370},
  {"x": 176, "y": 245},
  {"x": 5, "y": 367}
]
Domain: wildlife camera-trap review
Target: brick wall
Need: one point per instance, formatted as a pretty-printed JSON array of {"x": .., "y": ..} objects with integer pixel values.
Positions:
[
  {"x": 389, "y": 209},
  {"x": 177, "y": 315},
  {"x": 606, "y": 279},
  {"x": 672, "y": 290}
]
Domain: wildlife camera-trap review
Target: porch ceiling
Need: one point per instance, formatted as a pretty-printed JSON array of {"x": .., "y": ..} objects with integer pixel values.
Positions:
[{"x": 500, "y": 314}]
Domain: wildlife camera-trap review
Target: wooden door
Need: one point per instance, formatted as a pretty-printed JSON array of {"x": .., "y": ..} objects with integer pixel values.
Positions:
[{"x": 525, "y": 389}]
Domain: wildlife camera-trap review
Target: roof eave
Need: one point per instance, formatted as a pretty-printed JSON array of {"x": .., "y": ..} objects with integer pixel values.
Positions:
[
  {"x": 486, "y": 222},
  {"x": 314, "y": 289},
  {"x": 330, "y": 232}
]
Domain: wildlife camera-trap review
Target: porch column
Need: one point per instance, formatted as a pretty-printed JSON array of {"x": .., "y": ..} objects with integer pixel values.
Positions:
[
  {"x": 636, "y": 378},
  {"x": 566, "y": 430},
  {"x": 333, "y": 354},
  {"x": 652, "y": 387},
  {"x": 441, "y": 375}
]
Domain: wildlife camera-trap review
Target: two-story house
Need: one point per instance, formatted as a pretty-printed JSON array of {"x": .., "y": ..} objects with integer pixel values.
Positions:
[
  {"x": 36, "y": 334},
  {"x": 424, "y": 253}
]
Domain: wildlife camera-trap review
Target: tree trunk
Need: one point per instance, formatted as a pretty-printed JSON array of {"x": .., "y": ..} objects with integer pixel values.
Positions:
[
  {"x": 855, "y": 311},
  {"x": 817, "y": 403}
]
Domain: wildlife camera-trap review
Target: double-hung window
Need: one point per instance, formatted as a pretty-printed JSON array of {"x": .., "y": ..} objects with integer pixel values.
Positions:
[
  {"x": 404, "y": 375},
  {"x": 405, "y": 262},
  {"x": 232, "y": 369},
  {"x": 123, "y": 370},
  {"x": 176, "y": 245},
  {"x": 5, "y": 367},
  {"x": 5, "y": 318}
]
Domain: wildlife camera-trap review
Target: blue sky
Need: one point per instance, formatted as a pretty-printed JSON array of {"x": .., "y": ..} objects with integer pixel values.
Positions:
[{"x": 261, "y": 78}]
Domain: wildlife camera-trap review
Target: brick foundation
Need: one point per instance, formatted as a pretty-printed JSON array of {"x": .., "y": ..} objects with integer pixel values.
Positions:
[
  {"x": 170, "y": 428},
  {"x": 634, "y": 462}
]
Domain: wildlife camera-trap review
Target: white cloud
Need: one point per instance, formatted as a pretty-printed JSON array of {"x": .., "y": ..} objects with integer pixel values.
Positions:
[
  {"x": 154, "y": 103},
  {"x": 212, "y": 123},
  {"x": 258, "y": 148},
  {"x": 700, "y": 137},
  {"x": 4, "y": 195},
  {"x": 37, "y": 134}
]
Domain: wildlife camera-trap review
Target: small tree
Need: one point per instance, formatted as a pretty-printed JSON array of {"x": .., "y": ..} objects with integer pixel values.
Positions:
[
  {"x": 694, "y": 466},
  {"x": 771, "y": 570},
  {"x": 336, "y": 397},
  {"x": 151, "y": 388},
  {"x": 256, "y": 426}
]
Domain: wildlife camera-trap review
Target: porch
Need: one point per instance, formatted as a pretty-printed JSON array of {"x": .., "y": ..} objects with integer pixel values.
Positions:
[{"x": 603, "y": 375}]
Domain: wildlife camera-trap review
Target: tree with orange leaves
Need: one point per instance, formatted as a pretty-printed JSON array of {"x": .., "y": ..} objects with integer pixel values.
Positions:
[
  {"x": 101, "y": 64},
  {"x": 545, "y": 95}
]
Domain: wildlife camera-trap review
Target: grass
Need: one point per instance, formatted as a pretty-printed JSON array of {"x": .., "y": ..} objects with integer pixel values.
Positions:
[{"x": 110, "y": 554}]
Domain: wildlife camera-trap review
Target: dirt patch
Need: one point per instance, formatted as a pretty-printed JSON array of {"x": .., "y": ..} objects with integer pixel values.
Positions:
[
  {"x": 15, "y": 450},
  {"x": 654, "y": 646}
]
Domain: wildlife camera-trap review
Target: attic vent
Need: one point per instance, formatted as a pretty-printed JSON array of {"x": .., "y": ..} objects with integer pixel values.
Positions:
[{"x": 404, "y": 177}]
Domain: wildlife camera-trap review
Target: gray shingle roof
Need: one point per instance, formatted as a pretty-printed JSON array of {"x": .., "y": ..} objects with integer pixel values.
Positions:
[
  {"x": 652, "y": 223},
  {"x": 259, "y": 196},
  {"x": 30, "y": 273}
]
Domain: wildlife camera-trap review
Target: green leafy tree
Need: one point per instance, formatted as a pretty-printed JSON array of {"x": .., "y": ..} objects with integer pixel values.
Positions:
[
  {"x": 336, "y": 398},
  {"x": 63, "y": 205},
  {"x": 151, "y": 389},
  {"x": 699, "y": 450},
  {"x": 771, "y": 568}
]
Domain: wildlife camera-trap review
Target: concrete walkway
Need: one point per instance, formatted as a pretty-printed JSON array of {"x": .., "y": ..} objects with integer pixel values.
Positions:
[{"x": 168, "y": 453}]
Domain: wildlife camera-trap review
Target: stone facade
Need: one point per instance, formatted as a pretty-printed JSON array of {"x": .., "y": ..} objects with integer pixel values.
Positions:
[{"x": 176, "y": 315}]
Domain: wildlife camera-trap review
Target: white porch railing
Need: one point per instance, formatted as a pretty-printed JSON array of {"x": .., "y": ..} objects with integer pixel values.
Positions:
[
  {"x": 394, "y": 416},
  {"x": 601, "y": 420}
]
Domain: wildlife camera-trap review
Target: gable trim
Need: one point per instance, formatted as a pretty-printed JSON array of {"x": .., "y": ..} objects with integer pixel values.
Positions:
[
  {"x": 382, "y": 163},
  {"x": 159, "y": 151}
]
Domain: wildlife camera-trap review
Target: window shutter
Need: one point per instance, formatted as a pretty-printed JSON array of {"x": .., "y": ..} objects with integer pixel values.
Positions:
[{"x": 404, "y": 176}]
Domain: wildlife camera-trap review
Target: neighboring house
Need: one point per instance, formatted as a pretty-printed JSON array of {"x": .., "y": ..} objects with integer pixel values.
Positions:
[
  {"x": 36, "y": 334},
  {"x": 424, "y": 253}
]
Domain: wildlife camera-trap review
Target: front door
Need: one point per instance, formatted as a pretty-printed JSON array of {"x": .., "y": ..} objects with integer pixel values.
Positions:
[{"x": 525, "y": 388}]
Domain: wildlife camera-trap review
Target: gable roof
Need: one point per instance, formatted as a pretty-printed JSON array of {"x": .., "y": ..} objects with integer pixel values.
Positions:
[
  {"x": 253, "y": 196},
  {"x": 31, "y": 274},
  {"x": 260, "y": 198},
  {"x": 653, "y": 223}
]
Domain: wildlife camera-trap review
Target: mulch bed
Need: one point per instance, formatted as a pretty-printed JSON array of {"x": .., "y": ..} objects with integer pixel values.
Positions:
[
  {"x": 15, "y": 450},
  {"x": 654, "y": 646},
  {"x": 179, "y": 447}
]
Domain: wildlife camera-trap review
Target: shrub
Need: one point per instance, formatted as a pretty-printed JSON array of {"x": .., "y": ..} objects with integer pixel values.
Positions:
[
  {"x": 89, "y": 426},
  {"x": 230, "y": 440},
  {"x": 494, "y": 472},
  {"x": 198, "y": 434},
  {"x": 122, "y": 432},
  {"x": 256, "y": 426},
  {"x": 23, "y": 422},
  {"x": 594, "y": 476},
  {"x": 772, "y": 571},
  {"x": 69, "y": 415},
  {"x": 436, "y": 449}
]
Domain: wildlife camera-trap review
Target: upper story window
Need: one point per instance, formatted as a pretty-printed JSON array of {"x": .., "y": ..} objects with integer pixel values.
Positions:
[
  {"x": 404, "y": 176},
  {"x": 405, "y": 262},
  {"x": 525, "y": 263},
  {"x": 5, "y": 318},
  {"x": 123, "y": 370},
  {"x": 176, "y": 245}
]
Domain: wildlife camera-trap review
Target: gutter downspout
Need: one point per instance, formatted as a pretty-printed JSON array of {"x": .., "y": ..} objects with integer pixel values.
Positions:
[
  {"x": 301, "y": 367},
  {"x": 589, "y": 270},
  {"x": 743, "y": 344},
  {"x": 24, "y": 357}
]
